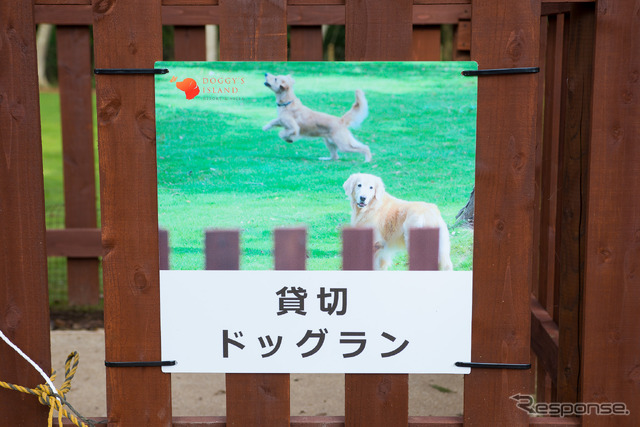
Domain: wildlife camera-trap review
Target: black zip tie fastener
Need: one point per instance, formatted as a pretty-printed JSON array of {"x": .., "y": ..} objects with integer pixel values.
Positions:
[
  {"x": 522, "y": 366},
  {"x": 501, "y": 71},
  {"x": 113, "y": 71},
  {"x": 140, "y": 364}
]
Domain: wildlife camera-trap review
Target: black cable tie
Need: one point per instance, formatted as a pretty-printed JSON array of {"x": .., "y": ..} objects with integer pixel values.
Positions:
[
  {"x": 139, "y": 364},
  {"x": 522, "y": 366},
  {"x": 501, "y": 71},
  {"x": 131, "y": 71}
]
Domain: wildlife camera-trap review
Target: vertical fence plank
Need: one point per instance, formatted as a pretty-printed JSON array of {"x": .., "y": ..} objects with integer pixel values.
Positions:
[
  {"x": 129, "y": 35},
  {"x": 76, "y": 111},
  {"x": 258, "y": 399},
  {"x": 505, "y": 179},
  {"x": 253, "y": 30},
  {"x": 189, "y": 43},
  {"x": 549, "y": 160},
  {"x": 548, "y": 180},
  {"x": 378, "y": 30},
  {"x": 375, "y": 30},
  {"x": 572, "y": 199},
  {"x": 24, "y": 305},
  {"x": 305, "y": 43},
  {"x": 611, "y": 348},
  {"x": 426, "y": 43},
  {"x": 371, "y": 399}
]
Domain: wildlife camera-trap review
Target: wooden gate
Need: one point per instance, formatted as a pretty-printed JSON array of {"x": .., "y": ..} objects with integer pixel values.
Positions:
[{"x": 557, "y": 222}]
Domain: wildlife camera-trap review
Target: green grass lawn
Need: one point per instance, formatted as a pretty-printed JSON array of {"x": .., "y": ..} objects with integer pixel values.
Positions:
[{"x": 218, "y": 169}]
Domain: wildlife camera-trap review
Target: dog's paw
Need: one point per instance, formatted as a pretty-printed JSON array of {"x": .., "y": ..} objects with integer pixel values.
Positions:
[
  {"x": 266, "y": 127},
  {"x": 328, "y": 158}
]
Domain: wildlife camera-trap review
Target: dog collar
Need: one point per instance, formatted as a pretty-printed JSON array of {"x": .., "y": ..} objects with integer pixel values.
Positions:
[{"x": 284, "y": 105}]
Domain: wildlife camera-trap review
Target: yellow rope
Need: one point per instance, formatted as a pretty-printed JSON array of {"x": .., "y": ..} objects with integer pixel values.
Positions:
[{"x": 56, "y": 402}]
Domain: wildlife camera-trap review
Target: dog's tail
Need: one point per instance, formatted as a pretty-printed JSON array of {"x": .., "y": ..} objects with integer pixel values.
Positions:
[{"x": 358, "y": 112}]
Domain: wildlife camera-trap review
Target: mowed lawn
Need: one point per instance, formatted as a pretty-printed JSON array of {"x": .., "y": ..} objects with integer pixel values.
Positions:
[{"x": 217, "y": 168}]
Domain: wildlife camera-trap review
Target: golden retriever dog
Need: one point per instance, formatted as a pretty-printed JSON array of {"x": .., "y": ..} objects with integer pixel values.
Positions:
[
  {"x": 392, "y": 218},
  {"x": 299, "y": 121}
]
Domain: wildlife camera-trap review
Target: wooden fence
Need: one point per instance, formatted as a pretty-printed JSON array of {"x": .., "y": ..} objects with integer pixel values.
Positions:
[{"x": 557, "y": 221}]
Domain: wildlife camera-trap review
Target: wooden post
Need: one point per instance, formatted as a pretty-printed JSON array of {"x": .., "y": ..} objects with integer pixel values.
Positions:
[
  {"x": 378, "y": 30},
  {"x": 505, "y": 179},
  {"x": 253, "y": 30},
  {"x": 257, "y": 399},
  {"x": 371, "y": 399},
  {"x": 24, "y": 302},
  {"x": 76, "y": 111},
  {"x": 610, "y": 368},
  {"x": 572, "y": 196},
  {"x": 128, "y": 35},
  {"x": 547, "y": 167},
  {"x": 375, "y": 30}
]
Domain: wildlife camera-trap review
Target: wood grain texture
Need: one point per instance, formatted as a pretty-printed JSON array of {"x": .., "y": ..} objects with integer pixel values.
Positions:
[
  {"x": 253, "y": 30},
  {"x": 425, "y": 43},
  {"x": 63, "y": 14},
  {"x": 544, "y": 339},
  {"x": 372, "y": 400},
  {"x": 305, "y": 43},
  {"x": 128, "y": 35},
  {"x": 551, "y": 55},
  {"x": 440, "y": 13},
  {"x": 572, "y": 196},
  {"x": 190, "y": 43},
  {"x": 257, "y": 399},
  {"x": 74, "y": 242},
  {"x": 549, "y": 161},
  {"x": 611, "y": 325},
  {"x": 505, "y": 179},
  {"x": 76, "y": 111},
  {"x": 378, "y": 30},
  {"x": 24, "y": 302},
  {"x": 375, "y": 30},
  {"x": 315, "y": 15}
]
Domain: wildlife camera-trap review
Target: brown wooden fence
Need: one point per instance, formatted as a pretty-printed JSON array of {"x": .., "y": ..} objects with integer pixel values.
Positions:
[{"x": 557, "y": 221}]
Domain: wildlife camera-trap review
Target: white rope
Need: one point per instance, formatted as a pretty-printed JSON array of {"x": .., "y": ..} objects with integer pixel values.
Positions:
[{"x": 36, "y": 367}]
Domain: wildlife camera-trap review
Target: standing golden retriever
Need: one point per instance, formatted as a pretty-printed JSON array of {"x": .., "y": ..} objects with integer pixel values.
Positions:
[
  {"x": 392, "y": 218},
  {"x": 299, "y": 121}
]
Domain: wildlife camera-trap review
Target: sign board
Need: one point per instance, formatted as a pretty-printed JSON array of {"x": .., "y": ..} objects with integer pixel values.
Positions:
[
  {"x": 316, "y": 321},
  {"x": 230, "y": 157}
]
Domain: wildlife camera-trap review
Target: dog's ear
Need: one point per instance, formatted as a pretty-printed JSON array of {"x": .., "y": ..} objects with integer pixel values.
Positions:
[
  {"x": 379, "y": 187},
  {"x": 287, "y": 82},
  {"x": 349, "y": 184}
]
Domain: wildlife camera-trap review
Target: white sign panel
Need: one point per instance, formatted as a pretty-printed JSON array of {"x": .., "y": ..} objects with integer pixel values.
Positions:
[{"x": 316, "y": 321}]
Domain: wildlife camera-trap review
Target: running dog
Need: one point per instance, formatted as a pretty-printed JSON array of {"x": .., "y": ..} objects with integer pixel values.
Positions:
[{"x": 299, "y": 121}]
